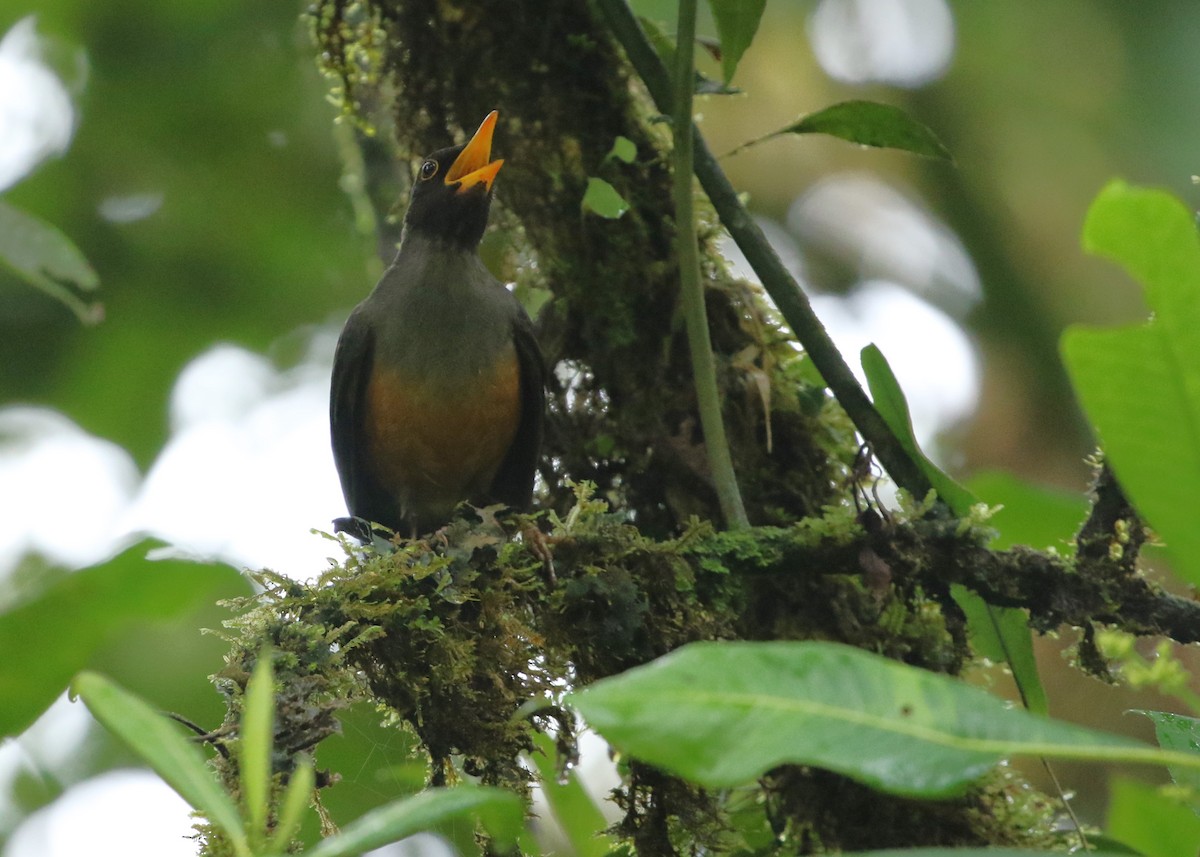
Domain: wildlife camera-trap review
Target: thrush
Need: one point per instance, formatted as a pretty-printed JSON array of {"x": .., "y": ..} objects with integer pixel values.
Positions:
[{"x": 437, "y": 394}]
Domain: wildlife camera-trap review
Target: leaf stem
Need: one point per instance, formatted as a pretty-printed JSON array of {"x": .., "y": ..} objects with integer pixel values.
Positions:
[
  {"x": 783, "y": 289},
  {"x": 704, "y": 373}
]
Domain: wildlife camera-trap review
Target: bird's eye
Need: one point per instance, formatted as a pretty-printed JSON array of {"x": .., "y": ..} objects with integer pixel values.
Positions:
[{"x": 428, "y": 170}]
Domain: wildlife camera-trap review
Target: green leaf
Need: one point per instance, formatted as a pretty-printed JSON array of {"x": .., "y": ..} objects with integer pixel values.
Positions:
[
  {"x": 580, "y": 818},
  {"x": 178, "y": 761},
  {"x": 45, "y": 258},
  {"x": 295, "y": 800},
  {"x": 254, "y": 748},
  {"x": 737, "y": 22},
  {"x": 501, "y": 813},
  {"x": 1032, "y": 515},
  {"x": 1140, "y": 385},
  {"x": 999, "y": 633},
  {"x": 867, "y": 123},
  {"x": 893, "y": 407},
  {"x": 623, "y": 150},
  {"x": 1002, "y": 634},
  {"x": 602, "y": 198},
  {"x": 1140, "y": 816},
  {"x": 1182, "y": 733},
  {"x": 722, "y": 714},
  {"x": 50, "y": 637}
]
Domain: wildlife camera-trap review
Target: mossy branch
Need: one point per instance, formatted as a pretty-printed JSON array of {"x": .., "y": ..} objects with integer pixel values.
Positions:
[
  {"x": 704, "y": 372},
  {"x": 783, "y": 289}
]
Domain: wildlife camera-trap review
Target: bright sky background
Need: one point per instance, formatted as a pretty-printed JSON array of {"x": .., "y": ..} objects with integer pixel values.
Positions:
[{"x": 248, "y": 470}]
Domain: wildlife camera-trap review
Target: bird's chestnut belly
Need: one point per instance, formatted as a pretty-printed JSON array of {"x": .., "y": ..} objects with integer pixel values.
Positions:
[{"x": 435, "y": 443}]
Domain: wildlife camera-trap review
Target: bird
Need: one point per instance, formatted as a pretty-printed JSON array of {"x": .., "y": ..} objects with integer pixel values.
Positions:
[{"x": 437, "y": 394}]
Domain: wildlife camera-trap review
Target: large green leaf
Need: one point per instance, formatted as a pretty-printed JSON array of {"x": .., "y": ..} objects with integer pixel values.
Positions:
[
  {"x": 1140, "y": 385},
  {"x": 999, "y": 633},
  {"x": 173, "y": 757},
  {"x": 721, "y": 714},
  {"x": 1141, "y": 817},
  {"x": 501, "y": 813},
  {"x": 867, "y": 123},
  {"x": 737, "y": 22},
  {"x": 1182, "y": 733},
  {"x": 50, "y": 637}
]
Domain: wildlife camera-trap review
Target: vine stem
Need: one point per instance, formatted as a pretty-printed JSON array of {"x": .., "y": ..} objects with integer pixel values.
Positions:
[
  {"x": 704, "y": 374},
  {"x": 790, "y": 299}
]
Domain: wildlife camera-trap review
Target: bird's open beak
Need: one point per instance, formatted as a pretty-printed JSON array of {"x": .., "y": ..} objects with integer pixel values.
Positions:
[{"x": 473, "y": 166}]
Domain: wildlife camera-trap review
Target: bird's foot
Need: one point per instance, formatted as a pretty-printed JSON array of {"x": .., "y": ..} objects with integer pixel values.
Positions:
[{"x": 539, "y": 544}]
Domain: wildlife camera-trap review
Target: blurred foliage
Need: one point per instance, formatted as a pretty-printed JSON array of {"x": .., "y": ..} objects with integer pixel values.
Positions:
[{"x": 217, "y": 110}]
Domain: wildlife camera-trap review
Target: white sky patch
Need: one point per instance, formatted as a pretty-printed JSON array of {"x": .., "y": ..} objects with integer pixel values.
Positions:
[
  {"x": 125, "y": 813},
  {"x": 47, "y": 749},
  {"x": 901, "y": 42},
  {"x": 36, "y": 116},
  {"x": 249, "y": 469},
  {"x": 931, "y": 356},
  {"x": 875, "y": 228},
  {"x": 64, "y": 490}
]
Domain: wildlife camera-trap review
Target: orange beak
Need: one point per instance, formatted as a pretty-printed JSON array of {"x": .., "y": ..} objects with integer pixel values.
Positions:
[{"x": 473, "y": 166}]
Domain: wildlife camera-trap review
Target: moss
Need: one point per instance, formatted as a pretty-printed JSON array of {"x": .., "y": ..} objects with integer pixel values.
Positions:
[{"x": 451, "y": 639}]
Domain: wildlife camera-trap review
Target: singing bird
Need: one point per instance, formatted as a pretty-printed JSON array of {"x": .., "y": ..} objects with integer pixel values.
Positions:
[{"x": 437, "y": 393}]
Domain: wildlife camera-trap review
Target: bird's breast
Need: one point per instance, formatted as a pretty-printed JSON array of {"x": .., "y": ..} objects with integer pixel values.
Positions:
[{"x": 436, "y": 440}]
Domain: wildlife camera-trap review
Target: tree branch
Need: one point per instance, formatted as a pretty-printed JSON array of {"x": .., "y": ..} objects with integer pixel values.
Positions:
[{"x": 784, "y": 291}]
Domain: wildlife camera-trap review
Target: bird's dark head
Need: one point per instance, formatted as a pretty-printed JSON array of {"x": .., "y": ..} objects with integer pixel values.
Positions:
[{"x": 453, "y": 190}]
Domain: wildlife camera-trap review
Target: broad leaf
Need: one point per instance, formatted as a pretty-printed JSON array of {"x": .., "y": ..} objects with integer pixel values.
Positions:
[
  {"x": 500, "y": 812},
  {"x": 867, "y": 123},
  {"x": 1140, "y": 816},
  {"x": 603, "y": 199},
  {"x": 722, "y": 714},
  {"x": 1182, "y": 733},
  {"x": 173, "y": 757},
  {"x": 1140, "y": 385},
  {"x": 52, "y": 636},
  {"x": 737, "y": 22}
]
